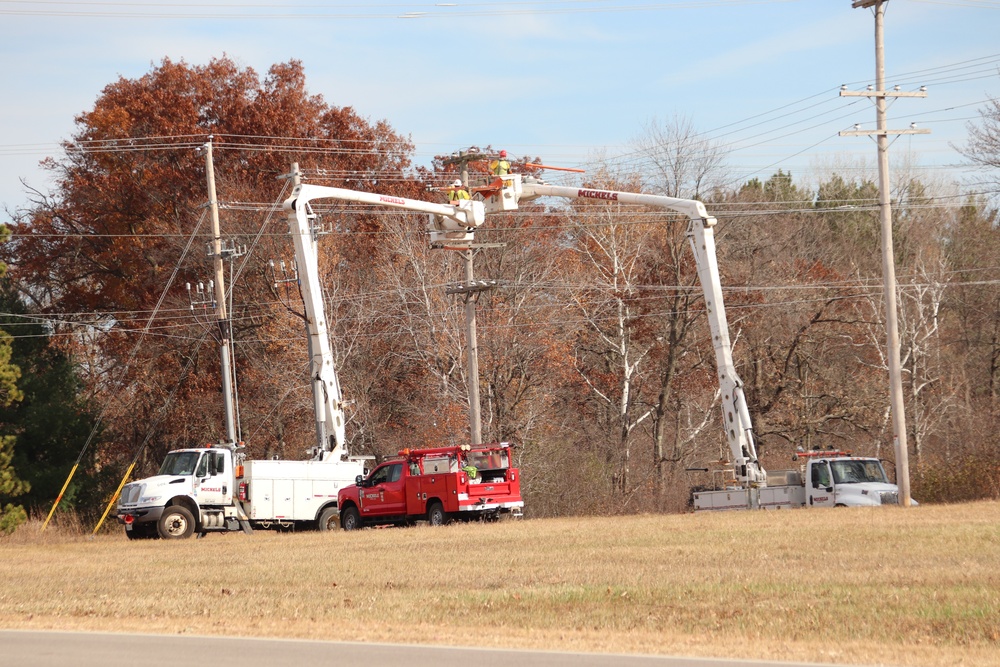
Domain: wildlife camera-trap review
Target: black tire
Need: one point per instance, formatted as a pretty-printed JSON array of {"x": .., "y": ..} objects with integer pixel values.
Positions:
[
  {"x": 329, "y": 519},
  {"x": 139, "y": 533},
  {"x": 436, "y": 515},
  {"x": 176, "y": 523},
  {"x": 350, "y": 519}
]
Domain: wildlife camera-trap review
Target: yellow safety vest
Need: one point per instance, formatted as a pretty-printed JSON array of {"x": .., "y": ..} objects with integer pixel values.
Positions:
[
  {"x": 457, "y": 194},
  {"x": 500, "y": 167}
]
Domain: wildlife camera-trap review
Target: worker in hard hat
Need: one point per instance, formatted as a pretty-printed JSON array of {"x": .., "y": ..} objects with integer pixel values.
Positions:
[
  {"x": 500, "y": 166},
  {"x": 457, "y": 191}
]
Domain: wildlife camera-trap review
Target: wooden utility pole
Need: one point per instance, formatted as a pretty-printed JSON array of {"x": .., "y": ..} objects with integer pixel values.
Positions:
[
  {"x": 471, "y": 299},
  {"x": 225, "y": 327},
  {"x": 470, "y": 294},
  {"x": 475, "y": 416},
  {"x": 885, "y": 216}
]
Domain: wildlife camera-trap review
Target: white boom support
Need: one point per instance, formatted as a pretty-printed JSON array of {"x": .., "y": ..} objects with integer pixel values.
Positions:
[
  {"x": 700, "y": 233},
  {"x": 448, "y": 222},
  {"x": 456, "y": 223}
]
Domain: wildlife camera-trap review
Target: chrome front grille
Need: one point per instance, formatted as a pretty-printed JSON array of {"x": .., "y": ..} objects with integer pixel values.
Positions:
[
  {"x": 890, "y": 497},
  {"x": 130, "y": 494}
]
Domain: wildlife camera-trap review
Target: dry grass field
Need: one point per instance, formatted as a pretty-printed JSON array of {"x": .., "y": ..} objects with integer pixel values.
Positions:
[{"x": 874, "y": 587}]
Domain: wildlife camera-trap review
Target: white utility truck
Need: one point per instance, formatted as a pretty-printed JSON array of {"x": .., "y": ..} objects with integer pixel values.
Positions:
[
  {"x": 207, "y": 489},
  {"x": 213, "y": 488},
  {"x": 826, "y": 478}
]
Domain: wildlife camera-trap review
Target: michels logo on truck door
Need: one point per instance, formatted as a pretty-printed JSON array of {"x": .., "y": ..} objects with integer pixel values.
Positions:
[{"x": 598, "y": 194}]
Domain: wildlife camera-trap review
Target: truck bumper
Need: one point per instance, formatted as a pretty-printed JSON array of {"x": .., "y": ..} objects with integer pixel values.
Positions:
[
  {"x": 514, "y": 506},
  {"x": 139, "y": 516}
]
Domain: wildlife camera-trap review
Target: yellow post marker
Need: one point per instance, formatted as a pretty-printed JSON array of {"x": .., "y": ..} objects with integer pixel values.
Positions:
[
  {"x": 114, "y": 497},
  {"x": 59, "y": 497}
]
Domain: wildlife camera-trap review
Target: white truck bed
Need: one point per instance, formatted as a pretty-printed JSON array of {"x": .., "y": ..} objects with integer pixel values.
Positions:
[
  {"x": 294, "y": 490},
  {"x": 771, "y": 497}
]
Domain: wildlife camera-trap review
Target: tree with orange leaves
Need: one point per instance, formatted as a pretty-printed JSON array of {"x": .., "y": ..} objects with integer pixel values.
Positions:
[{"x": 124, "y": 221}]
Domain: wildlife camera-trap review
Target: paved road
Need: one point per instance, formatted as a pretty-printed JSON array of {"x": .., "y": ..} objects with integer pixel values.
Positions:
[{"x": 78, "y": 649}]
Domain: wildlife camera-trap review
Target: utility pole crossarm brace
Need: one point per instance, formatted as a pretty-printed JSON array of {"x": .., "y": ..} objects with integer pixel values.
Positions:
[
  {"x": 883, "y": 93},
  {"x": 865, "y": 133}
]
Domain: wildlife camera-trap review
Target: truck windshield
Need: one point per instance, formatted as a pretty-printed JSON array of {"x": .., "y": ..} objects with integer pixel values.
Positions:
[
  {"x": 179, "y": 463},
  {"x": 856, "y": 472}
]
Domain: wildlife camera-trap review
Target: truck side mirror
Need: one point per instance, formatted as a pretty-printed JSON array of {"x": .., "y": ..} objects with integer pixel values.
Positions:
[
  {"x": 211, "y": 465},
  {"x": 359, "y": 480}
]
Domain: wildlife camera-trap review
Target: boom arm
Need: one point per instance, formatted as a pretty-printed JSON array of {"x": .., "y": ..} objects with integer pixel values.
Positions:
[
  {"x": 452, "y": 222},
  {"x": 701, "y": 234}
]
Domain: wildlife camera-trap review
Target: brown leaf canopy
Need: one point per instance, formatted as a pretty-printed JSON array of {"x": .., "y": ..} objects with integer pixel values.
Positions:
[{"x": 131, "y": 184}]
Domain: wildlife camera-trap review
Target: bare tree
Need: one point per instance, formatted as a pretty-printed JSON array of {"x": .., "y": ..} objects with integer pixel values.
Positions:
[
  {"x": 984, "y": 139},
  {"x": 422, "y": 328},
  {"x": 609, "y": 250},
  {"x": 679, "y": 161}
]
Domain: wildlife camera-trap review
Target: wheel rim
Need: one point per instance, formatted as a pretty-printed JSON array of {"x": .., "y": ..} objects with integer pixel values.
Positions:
[{"x": 176, "y": 525}]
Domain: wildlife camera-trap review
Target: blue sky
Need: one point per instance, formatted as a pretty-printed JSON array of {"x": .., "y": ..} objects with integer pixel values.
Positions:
[{"x": 568, "y": 80}]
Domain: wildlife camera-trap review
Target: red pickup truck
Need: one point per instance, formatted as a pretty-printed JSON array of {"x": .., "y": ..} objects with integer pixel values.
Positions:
[{"x": 436, "y": 485}]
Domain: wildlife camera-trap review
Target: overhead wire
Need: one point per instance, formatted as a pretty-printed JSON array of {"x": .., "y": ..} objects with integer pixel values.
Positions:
[
  {"x": 448, "y": 11},
  {"x": 121, "y": 378},
  {"x": 653, "y": 292},
  {"x": 943, "y": 75},
  {"x": 294, "y": 143},
  {"x": 737, "y": 127},
  {"x": 720, "y": 208}
]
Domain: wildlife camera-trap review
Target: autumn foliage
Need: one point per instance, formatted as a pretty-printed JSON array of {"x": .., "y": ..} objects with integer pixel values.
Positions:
[{"x": 593, "y": 350}]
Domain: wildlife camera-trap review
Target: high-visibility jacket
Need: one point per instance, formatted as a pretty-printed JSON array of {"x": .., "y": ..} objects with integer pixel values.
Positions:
[
  {"x": 500, "y": 167},
  {"x": 457, "y": 194}
]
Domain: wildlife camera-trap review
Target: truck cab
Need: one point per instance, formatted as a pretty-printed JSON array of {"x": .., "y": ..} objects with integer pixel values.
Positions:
[
  {"x": 825, "y": 478},
  {"x": 383, "y": 492},
  {"x": 191, "y": 488},
  {"x": 848, "y": 481}
]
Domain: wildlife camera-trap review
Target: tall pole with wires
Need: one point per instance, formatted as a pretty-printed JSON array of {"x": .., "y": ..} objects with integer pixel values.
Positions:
[
  {"x": 888, "y": 260},
  {"x": 470, "y": 293},
  {"x": 222, "y": 316}
]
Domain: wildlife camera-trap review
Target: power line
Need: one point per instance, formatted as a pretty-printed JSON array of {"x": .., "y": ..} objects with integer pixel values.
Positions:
[
  {"x": 638, "y": 216},
  {"x": 862, "y": 286},
  {"x": 447, "y": 11}
]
